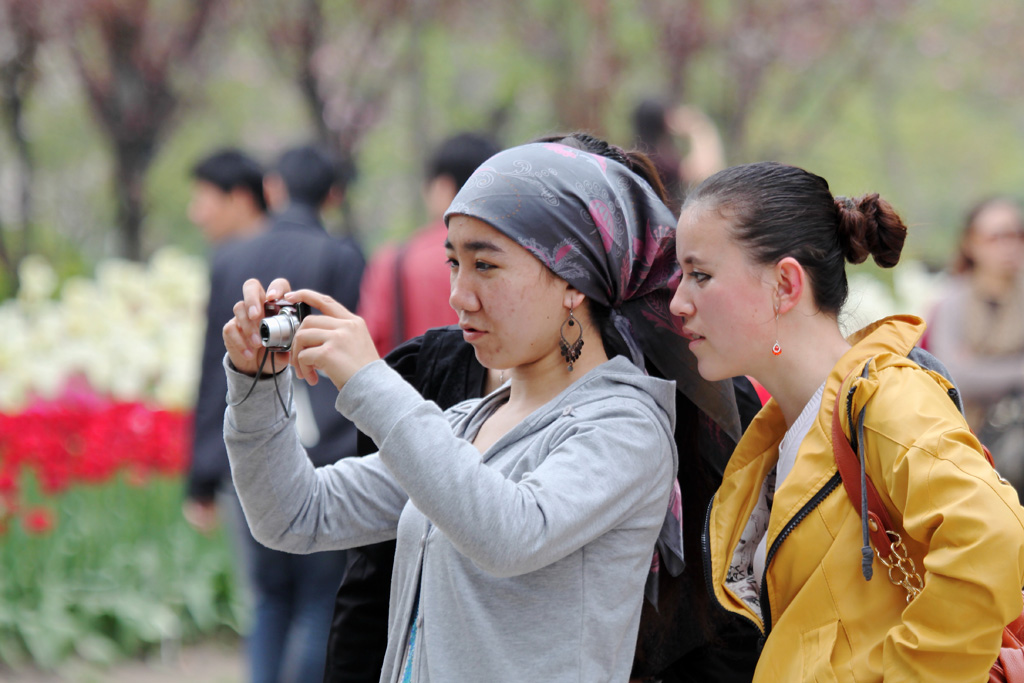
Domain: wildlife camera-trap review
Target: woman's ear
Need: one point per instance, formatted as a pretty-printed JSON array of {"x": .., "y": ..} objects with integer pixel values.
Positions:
[
  {"x": 573, "y": 298},
  {"x": 790, "y": 283}
]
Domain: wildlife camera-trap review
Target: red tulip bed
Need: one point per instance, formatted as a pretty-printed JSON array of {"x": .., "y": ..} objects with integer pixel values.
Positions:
[{"x": 96, "y": 559}]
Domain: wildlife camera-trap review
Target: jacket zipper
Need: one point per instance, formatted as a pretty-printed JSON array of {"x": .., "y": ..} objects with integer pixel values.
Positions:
[
  {"x": 705, "y": 548},
  {"x": 830, "y": 486}
]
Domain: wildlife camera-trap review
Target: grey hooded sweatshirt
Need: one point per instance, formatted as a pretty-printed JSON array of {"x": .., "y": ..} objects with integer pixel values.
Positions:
[{"x": 524, "y": 563}]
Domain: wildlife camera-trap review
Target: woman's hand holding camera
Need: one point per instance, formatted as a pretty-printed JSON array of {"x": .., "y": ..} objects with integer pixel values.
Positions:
[
  {"x": 242, "y": 333},
  {"x": 335, "y": 343}
]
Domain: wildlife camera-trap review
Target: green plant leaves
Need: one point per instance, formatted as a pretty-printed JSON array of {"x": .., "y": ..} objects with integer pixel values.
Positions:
[{"x": 121, "y": 574}]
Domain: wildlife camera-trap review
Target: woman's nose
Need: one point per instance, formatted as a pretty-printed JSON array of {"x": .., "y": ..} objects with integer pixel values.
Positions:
[
  {"x": 680, "y": 304},
  {"x": 462, "y": 297}
]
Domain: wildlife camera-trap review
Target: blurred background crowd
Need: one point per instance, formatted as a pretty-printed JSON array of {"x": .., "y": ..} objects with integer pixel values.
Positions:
[{"x": 107, "y": 107}]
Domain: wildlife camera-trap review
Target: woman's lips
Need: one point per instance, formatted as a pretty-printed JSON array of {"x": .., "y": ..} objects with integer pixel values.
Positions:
[{"x": 691, "y": 335}]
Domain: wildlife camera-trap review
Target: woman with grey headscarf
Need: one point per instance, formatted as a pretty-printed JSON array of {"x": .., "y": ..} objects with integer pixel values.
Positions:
[{"x": 525, "y": 520}]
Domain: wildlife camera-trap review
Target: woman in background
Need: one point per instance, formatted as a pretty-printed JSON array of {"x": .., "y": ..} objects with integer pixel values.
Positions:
[{"x": 977, "y": 329}]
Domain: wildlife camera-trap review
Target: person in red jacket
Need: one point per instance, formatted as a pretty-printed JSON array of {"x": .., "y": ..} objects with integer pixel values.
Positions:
[{"x": 404, "y": 291}]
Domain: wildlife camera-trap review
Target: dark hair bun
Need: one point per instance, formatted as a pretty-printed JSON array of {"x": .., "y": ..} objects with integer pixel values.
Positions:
[{"x": 869, "y": 226}]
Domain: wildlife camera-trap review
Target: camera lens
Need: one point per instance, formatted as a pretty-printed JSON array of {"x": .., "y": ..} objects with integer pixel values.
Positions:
[{"x": 277, "y": 331}]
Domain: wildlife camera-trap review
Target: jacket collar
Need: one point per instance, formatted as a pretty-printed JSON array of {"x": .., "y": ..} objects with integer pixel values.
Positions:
[
  {"x": 894, "y": 335},
  {"x": 298, "y": 215}
]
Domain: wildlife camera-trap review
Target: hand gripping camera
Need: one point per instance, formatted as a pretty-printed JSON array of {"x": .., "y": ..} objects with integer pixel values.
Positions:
[{"x": 281, "y": 320}]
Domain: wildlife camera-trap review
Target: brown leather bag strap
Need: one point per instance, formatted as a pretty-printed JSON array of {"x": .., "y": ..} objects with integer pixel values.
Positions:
[
  {"x": 849, "y": 470},
  {"x": 1009, "y": 666}
]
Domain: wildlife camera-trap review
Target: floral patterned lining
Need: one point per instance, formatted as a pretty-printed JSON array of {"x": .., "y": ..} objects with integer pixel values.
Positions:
[{"x": 740, "y": 578}]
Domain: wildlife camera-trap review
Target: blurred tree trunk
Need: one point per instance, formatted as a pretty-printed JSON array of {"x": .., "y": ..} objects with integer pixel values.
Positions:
[
  {"x": 682, "y": 32},
  {"x": 419, "y": 120},
  {"x": 132, "y": 158},
  {"x": 307, "y": 38},
  {"x": 577, "y": 40},
  {"x": 809, "y": 41},
  {"x": 600, "y": 72},
  {"x": 126, "y": 53},
  {"x": 21, "y": 37},
  {"x": 345, "y": 58}
]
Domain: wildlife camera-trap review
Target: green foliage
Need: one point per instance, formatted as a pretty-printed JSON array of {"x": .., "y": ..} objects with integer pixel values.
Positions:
[
  {"x": 900, "y": 101},
  {"x": 119, "y": 575}
]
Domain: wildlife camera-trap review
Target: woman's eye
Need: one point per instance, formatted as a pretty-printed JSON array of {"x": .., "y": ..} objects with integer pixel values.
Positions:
[
  {"x": 480, "y": 265},
  {"x": 699, "y": 276},
  {"x": 452, "y": 263}
]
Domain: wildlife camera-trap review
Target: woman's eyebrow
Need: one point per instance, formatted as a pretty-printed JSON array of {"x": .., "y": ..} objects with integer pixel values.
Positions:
[{"x": 475, "y": 245}]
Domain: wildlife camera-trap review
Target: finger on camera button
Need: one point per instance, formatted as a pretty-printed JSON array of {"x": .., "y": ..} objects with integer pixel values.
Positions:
[{"x": 277, "y": 287}]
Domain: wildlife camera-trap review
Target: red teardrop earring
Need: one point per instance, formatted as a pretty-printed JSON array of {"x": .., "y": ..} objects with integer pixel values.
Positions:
[{"x": 777, "y": 348}]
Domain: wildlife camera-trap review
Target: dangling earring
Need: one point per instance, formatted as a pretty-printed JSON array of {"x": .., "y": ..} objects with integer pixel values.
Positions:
[
  {"x": 777, "y": 348},
  {"x": 571, "y": 350}
]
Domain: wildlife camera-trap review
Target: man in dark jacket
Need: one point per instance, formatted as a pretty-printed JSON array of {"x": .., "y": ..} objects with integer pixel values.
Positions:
[
  {"x": 293, "y": 594},
  {"x": 227, "y": 205}
]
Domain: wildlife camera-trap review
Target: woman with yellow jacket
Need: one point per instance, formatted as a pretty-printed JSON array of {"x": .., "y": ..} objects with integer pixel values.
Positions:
[{"x": 763, "y": 250}]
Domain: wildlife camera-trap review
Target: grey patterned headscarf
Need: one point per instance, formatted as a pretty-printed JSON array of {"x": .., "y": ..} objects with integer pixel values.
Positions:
[{"x": 601, "y": 228}]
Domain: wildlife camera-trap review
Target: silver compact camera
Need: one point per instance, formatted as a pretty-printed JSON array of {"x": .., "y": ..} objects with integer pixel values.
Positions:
[{"x": 280, "y": 323}]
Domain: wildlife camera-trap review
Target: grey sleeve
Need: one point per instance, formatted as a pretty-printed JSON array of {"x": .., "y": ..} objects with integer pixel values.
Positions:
[
  {"x": 289, "y": 504},
  {"x": 608, "y": 466},
  {"x": 978, "y": 378}
]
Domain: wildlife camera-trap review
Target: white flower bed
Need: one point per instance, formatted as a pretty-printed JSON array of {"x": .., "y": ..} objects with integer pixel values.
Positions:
[
  {"x": 135, "y": 332},
  {"x": 915, "y": 290}
]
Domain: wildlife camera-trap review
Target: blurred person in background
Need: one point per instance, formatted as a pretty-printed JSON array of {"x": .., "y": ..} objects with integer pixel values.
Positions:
[
  {"x": 227, "y": 205},
  {"x": 291, "y": 593},
  {"x": 683, "y": 143},
  {"x": 405, "y": 288},
  {"x": 977, "y": 329},
  {"x": 337, "y": 213},
  {"x": 227, "y": 201}
]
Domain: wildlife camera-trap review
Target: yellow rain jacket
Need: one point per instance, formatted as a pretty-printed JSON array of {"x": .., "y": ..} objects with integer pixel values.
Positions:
[{"x": 963, "y": 528}]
